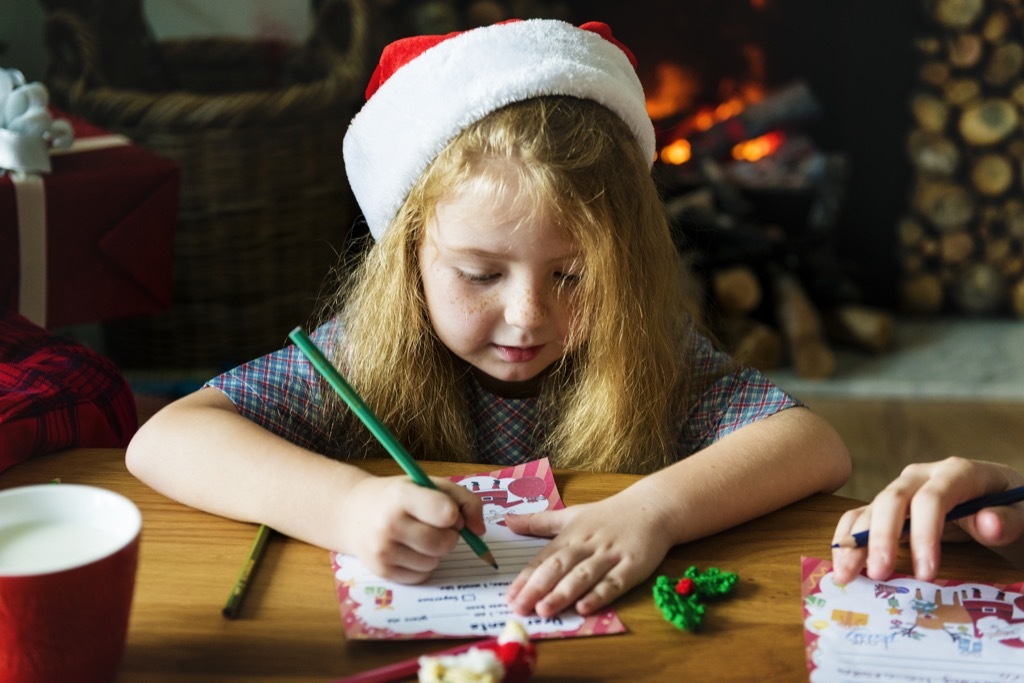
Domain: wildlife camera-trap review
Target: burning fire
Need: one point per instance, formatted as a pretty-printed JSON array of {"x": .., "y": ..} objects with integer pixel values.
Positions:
[
  {"x": 678, "y": 152},
  {"x": 675, "y": 92}
]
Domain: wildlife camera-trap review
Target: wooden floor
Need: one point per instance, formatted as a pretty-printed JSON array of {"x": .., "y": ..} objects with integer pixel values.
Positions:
[{"x": 885, "y": 435}]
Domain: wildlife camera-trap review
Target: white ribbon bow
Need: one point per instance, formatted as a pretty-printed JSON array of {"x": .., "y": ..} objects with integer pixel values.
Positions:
[
  {"x": 27, "y": 134},
  {"x": 27, "y": 129}
]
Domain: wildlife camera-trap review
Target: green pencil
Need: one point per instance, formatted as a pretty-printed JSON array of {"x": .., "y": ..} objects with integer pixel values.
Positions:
[
  {"x": 382, "y": 433},
  {"x": 241, "y": 587}
]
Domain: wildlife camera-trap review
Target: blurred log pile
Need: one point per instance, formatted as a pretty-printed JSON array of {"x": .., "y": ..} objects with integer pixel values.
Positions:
[
  {"x": 759, "y": 236},
  {"x": 961, "y": 240},
  {"x": 773, "y": 298}
]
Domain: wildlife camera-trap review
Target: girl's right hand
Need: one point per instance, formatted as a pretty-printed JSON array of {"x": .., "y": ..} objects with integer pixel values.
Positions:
[
  {"x": 401, "y": 530},
  {"x": 926, "y": 492}
]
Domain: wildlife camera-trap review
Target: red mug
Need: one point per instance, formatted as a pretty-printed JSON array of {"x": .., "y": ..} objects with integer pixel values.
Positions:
[{"x": 68, "y": 558}]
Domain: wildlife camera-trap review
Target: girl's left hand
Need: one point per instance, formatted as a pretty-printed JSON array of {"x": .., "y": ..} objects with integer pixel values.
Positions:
[{"x": 599, "y": 551}]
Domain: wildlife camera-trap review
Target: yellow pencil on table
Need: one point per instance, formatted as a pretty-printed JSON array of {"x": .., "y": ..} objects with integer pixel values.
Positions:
[
  {"x": 241, "y": 587},
  {"x": 380, "y": 431}
]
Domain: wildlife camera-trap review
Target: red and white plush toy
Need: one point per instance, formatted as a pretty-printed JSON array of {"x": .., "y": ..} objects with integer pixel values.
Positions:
[{"x": 512, "y": 658}]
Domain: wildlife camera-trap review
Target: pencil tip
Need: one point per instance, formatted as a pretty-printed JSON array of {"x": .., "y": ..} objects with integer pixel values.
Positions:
[{"x": 488, "y": 557}]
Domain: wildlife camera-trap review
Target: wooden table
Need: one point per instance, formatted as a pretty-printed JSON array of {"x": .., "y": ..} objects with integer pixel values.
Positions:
[{"x": 290, "y": 628}]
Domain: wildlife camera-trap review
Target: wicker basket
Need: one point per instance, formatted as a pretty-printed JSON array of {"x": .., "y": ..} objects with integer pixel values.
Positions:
[{"x": 256, "y": 129}]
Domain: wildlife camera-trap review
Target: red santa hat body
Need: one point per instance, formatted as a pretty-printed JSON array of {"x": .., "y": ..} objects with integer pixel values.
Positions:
[{"x": 427, "y": 89}]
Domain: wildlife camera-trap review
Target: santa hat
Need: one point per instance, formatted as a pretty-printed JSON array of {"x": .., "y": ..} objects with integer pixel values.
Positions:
[{"x": 427, "y": 89}]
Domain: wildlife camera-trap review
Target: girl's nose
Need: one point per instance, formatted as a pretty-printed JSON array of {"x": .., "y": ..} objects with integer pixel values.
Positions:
[{"x": 526, "y": 307}]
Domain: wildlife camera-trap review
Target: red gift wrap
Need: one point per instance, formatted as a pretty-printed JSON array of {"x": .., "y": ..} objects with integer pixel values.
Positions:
[{"x": 110, "y": 216}]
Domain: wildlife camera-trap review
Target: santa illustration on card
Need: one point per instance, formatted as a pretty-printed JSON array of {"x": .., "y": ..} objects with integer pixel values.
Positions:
[{"x": 508, "y": 495}]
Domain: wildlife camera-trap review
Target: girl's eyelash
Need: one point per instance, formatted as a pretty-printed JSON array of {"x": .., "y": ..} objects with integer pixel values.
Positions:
[
  {"x": 477, "y": 278},
  {"x": 484, "y": 278}
]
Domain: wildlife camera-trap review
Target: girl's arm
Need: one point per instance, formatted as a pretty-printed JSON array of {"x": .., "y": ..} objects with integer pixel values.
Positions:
[
  {"x": 201, "y": 452},
  {"x": 602, "y": 549},
  {"x": 926, "y": 492},
  {"x": 755, "y": 470}
]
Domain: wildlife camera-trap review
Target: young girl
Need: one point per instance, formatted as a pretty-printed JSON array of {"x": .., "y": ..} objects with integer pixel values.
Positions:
[
  {"x": 523, "y": 299},
  {"x": 927, "y": 491}
]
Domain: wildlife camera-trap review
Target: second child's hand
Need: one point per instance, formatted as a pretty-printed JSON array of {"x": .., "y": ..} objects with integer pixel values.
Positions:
[{"x": 926, "y": 492}]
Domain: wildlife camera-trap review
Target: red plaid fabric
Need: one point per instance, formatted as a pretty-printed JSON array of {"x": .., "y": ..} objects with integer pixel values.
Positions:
[{"x": 57, "y": 394}]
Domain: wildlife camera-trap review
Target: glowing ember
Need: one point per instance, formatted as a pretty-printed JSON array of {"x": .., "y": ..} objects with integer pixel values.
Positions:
[
  {"x": 676, "y": 153},
  {"x": 703, "y": 119},
  {"x": 728, "y": 109},
  {"x": 758, "y": 148}
]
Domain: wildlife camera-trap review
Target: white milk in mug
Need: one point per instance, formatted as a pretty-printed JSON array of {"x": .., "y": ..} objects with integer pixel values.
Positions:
[{"x": 68, "y": 559}]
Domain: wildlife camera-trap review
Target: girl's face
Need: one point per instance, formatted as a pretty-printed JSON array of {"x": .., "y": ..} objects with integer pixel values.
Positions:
[{"x": 499, "y": 288}]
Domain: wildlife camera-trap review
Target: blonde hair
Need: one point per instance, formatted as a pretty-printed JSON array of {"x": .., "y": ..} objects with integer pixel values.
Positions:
[{"x": 613, "y": 403}]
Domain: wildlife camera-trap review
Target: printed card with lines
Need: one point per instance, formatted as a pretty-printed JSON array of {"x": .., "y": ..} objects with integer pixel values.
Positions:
[
  {"x": 913, "y": 631},
  {"x": 464, "y": 597}
]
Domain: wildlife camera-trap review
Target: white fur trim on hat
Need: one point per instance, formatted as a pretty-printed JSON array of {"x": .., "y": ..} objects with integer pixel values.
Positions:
[{"x": 416, "y": 112}]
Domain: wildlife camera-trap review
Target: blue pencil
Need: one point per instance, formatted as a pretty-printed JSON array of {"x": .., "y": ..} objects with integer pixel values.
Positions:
[{"x": 860, "y": 539}]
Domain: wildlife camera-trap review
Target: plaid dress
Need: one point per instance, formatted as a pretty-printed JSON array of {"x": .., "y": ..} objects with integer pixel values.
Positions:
[{"x": 281, "y": 392}]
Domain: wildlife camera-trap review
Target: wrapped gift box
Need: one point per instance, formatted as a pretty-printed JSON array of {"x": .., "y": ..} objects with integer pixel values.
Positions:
[{"x": 110, "y": 215}]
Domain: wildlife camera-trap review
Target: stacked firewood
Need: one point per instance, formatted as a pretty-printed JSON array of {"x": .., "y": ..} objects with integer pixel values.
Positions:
[
  {"x": 961, "y": 241},
  {"x": 772, "y": 298}
]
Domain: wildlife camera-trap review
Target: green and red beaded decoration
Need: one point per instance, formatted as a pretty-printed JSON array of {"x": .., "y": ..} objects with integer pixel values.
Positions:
[{"x": 682, "y": 600}]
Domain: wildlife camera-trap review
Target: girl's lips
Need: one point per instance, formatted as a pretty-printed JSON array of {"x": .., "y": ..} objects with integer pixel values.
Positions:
[{"x": 518, "y": 354}]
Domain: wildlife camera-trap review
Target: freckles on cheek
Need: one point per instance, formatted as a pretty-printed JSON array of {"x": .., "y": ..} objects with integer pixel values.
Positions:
[
  {"x": 463, "y": 305},
  {"x": 475, "y": 311},
  {"x": 471, "y": 308}
]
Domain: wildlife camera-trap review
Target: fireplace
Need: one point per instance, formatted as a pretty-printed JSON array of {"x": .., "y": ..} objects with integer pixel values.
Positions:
[
  {"x": 856, "y": 58},
  {"x": 924, "y": 98},
  {"x": 799, "y": 250}
]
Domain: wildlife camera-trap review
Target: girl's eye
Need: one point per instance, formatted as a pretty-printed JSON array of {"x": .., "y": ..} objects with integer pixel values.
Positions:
[
  {"x": 568, "y": 278},
  {"x": 478, "y": 278}
]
